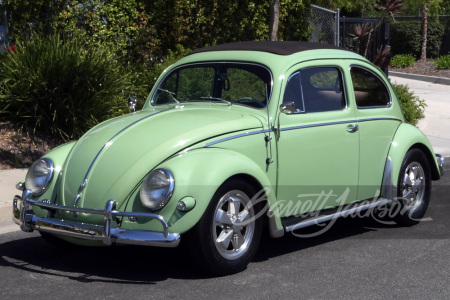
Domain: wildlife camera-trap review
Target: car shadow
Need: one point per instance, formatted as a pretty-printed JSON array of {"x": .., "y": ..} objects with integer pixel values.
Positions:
[{"x": 150, "y": 265}]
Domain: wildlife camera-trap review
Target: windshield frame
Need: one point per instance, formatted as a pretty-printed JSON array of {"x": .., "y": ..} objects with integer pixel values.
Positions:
[{"x": 212, "y": 64}]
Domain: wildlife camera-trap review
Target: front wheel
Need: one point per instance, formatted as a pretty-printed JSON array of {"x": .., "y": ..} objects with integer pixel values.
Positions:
[
  {"x": 228, "y": 234},
  {"x": 414, "y": 188}
]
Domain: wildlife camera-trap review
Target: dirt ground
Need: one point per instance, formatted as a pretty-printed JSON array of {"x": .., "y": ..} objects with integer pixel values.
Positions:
[
  {"x": 424, "y": 68},
  {"x": 20, "y": 148}
]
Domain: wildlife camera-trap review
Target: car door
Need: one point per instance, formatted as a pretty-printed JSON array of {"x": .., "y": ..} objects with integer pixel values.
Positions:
[
  {"x": 377, "y": 126},
  {"x": 318, "y": 144}
]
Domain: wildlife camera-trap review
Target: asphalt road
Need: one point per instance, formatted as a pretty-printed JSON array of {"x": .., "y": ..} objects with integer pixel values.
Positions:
[{"x": 357, "y": 258}]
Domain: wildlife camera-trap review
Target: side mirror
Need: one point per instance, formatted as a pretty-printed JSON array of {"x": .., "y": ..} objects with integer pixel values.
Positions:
[
  {"x": 288, "y": 108},
  {"x": 132, "y": 104}
]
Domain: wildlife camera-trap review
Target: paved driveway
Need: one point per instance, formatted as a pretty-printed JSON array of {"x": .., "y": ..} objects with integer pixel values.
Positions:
[{"x": 436, "y": 124}]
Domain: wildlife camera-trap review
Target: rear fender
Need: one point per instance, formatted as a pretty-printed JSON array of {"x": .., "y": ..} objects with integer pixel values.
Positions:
[{"x": 406, "y": 138}]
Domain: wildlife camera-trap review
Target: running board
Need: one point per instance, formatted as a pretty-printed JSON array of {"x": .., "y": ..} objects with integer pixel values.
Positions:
[{"x": 321, "y": 219}]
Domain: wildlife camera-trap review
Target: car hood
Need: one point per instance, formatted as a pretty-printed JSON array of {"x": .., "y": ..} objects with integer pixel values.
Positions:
[{"x": 112, "y": 158}]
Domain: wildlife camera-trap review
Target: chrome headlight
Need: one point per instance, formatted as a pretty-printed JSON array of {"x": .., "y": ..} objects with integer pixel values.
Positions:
[
  {"x": 39, "y": 176},
  {"x": 157, "y": 189}
]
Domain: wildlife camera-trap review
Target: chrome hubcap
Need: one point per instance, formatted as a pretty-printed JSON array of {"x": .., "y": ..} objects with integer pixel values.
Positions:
[
  {"x": 413, "y": 189},
  {"x": 233, "y": 225}
]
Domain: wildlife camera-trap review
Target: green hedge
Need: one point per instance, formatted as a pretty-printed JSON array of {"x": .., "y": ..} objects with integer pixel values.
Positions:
[
  {"x": 406, "y": 38},
  {"x": 402, "y": 61},
  {"x": 443, "y": 62},
  {"x": 412, "y": 106},
  {"x": 63, "y": 86}
]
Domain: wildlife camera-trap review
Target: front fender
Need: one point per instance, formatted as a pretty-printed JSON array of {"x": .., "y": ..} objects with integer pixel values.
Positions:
[
  {"x": 405, "y": 138},
  {"x": 198, "y": 174}
]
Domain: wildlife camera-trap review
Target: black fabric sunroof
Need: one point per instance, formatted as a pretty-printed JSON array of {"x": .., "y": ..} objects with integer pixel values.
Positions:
[{"x": 279, "y": 47}]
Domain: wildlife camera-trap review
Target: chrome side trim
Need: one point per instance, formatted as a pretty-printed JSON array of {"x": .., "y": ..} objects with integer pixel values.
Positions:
[
  {"x": 388, "y": 187},
  {"x": 379, "y": 119},
  {"x": 318, "y": 125},
  {"x": 235, "y": 137},
  {"x": 440, "y": 161},
  {"x": 298, "y": 127},
  {"x": 111, "y": 139},
  {"x": 24, "y": 216},
  {"x": 321, "y": 219}
]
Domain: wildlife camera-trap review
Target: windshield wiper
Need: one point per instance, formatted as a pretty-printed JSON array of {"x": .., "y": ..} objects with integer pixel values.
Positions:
[
  {"x": 171, "y": 94},
  {"x": 218, "y": 99}
]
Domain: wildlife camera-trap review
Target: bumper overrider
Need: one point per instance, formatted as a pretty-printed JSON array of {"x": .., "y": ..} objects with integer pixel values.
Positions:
[
  {"x": 24, "y": 216},
  {"x": 440, "y": 162}
]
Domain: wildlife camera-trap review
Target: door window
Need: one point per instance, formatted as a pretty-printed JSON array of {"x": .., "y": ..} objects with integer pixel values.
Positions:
[{"x": 315, "y": 90}]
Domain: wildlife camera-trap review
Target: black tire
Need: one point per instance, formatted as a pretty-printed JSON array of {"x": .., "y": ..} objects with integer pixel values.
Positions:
[
  {"x": 414, "y": 188},
  {"x": 227, "y": 236}
]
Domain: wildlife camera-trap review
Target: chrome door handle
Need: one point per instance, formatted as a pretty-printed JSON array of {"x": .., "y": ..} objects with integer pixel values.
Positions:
[{"x": 352, "y": 128}]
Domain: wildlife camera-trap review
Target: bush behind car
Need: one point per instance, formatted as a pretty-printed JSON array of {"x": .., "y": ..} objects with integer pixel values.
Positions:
[{"x": 61, "y": 85}]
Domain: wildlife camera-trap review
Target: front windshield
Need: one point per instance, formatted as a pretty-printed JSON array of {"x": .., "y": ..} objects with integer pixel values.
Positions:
[{"x": 229, "y": 83}]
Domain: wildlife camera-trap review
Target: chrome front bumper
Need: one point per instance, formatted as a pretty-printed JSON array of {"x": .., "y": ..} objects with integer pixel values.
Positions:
[
  {"x": 24, "y": 216},
  {"x": 440, "y": 162}
]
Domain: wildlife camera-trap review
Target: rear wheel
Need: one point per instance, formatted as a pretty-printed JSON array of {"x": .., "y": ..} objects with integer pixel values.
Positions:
[
  {"x": 228, "y": 234},
  {"x": 414, "y": 188}
]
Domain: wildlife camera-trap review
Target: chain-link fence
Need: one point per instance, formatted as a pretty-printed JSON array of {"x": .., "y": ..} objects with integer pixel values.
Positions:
[{"x": 325, "y": 25}]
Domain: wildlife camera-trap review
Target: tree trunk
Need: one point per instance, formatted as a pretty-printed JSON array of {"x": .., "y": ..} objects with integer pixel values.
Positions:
[
  {"x": 425, "y": 10},
  {"x": 274, "y": 19}
]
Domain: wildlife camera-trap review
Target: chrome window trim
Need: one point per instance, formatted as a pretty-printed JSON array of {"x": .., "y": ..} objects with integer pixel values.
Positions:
[
  {"x": 344, "y": 90},
  {"x": 301, "y": 91},
  {"x": 379, "y": 77},
  {"x": 152, "y": 102}
]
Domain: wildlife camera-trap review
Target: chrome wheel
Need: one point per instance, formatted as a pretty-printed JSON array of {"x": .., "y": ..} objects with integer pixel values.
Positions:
[
  {"x": 413, "y": 187},
  {"x": 233, "y": 225}
]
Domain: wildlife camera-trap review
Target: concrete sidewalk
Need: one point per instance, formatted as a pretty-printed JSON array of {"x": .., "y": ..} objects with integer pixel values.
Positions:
[
  {"x": 436, "y": 124},
  {"x": 436, "y": 127},
  {"x": 8, "y": 181}
]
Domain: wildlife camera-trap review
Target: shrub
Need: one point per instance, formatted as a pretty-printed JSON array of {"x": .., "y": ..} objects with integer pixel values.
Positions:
[
  {"x": 412, "y": 106},
  {"x": 406, "y": 38},
  {"x": 443, "y": 62},
  {"x": 402, "y": 61},
  {"x": 62, "y": 86}
]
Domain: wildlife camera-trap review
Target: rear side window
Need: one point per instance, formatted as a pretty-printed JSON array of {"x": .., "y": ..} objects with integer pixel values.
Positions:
[
  {"x": 370, "y": 91},
  {"x": 315, "y": 90}
]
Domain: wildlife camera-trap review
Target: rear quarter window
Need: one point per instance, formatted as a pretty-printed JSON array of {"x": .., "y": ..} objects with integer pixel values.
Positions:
[{"x": 369, "y": 89}]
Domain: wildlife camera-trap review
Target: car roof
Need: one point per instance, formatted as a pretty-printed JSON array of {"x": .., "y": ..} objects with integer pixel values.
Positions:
[{"x": 278, "y": 47}]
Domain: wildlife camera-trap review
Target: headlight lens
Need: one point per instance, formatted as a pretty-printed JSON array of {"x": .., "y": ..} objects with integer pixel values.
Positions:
[
  {"x": 157, "y": 189},
  {"x": 39, "y": 176}
]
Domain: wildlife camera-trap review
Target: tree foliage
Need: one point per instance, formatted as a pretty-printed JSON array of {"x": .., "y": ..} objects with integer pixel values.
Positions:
[
  {"x": 114, "y": 23},
  {"x": 26, "y": 16},
  {"x": 147, "y": 30}
]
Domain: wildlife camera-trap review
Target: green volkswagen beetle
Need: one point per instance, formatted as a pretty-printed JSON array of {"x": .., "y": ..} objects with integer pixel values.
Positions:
[{"x": 289, "y": 134}]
